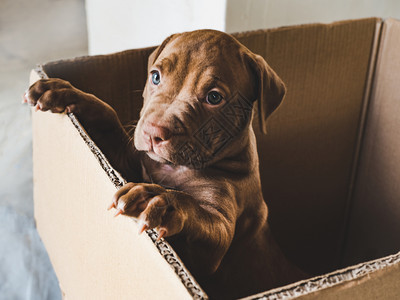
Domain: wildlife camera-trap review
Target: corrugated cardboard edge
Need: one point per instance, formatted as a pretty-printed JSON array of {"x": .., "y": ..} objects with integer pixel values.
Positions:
[
  {"x": 162, "y": 246},
  {"x": 325, "y": 281}
]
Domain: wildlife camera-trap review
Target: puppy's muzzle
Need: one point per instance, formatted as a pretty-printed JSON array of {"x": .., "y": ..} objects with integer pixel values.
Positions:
[{"x": 155, "y": 136}]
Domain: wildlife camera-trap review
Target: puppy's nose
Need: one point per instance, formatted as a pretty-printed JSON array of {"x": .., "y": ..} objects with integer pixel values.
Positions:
[{"x": 156, "y": 133}]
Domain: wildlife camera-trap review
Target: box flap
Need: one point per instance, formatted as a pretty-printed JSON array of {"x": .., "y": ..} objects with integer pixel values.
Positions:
[
  {"x": 81, "y": 236},
  {"x": 377, "y": 188}
]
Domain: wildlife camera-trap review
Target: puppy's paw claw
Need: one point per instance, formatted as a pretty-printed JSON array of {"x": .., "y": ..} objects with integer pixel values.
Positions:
[
  {"x": 120, "y": 208},
  {"x": 111, "y": 206},
  {"x": 142, "y": 226},
  {"x": 118, "y": 212},
  {"x": 24, "y": 99},
  {"x": 161, "y": 233}
]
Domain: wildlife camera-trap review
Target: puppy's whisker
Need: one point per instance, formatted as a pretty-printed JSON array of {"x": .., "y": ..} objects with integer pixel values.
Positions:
[
  {"x": 135, "y": 92},
  {"x": 130, "y": 127}
]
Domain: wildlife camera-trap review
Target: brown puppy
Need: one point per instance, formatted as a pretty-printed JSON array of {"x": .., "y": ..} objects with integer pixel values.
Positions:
[{"x": 196, "y": 148}]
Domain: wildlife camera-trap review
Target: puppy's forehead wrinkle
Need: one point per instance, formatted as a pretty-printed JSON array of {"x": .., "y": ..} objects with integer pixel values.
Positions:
[
  {"x": 179, "y": 115},
  {"x": 201, "y": 51},
  {"x": 207, "y": 82},
  {"x": 199, "y": 59},
  {"x": 187, "y": 112},
  {"x": 168, "y": 63},
  {"x": 205, "y": 38}
]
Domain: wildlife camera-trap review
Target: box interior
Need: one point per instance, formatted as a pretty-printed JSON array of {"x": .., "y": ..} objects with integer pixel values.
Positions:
[{"x": 331, "y": 157}]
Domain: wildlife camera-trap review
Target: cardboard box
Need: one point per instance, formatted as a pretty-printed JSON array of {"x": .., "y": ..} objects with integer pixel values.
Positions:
[{"x": 330, "y": 167}]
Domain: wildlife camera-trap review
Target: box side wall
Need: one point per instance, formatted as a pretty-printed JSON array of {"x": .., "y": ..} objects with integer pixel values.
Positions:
[
  {"x": 375, "y": 217},
  {"x": 95, "y": 255},
  {"x": 306, "y": 158}
]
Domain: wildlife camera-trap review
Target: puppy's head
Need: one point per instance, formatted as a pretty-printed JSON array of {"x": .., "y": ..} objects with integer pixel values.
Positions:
[{"x": 199, "y": 97}]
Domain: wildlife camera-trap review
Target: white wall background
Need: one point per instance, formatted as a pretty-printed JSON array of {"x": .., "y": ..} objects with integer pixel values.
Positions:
[
  {"x": 31, "y": 32},
  {"x": 124, "y": 24},
  {"x": 43, "y": 30},
  {"x": 256, "y": 14}
]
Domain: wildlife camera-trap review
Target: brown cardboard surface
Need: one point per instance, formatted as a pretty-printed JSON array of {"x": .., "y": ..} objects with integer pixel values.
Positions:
[
  {"x": 95, "y": 255},
  {"x": 377, "y": 192},
  {"x": 306, "y": 159}
]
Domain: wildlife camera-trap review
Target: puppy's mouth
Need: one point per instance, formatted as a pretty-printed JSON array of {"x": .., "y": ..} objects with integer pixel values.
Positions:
[
  {"x": 177, "y": 149},
  {"x": 186, "y": 155},
  {"x": 156, "y": 157}
]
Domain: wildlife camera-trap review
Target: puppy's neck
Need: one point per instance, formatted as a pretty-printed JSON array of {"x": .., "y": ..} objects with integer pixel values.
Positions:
[
  {"x": 241, "y": 157},
  {"x": 164, "y": 174}
]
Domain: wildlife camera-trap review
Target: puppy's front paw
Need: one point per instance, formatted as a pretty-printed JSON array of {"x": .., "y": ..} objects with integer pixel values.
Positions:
[
  {"x": 152, "y": 205},
  {"x": 53, "y": 94}
]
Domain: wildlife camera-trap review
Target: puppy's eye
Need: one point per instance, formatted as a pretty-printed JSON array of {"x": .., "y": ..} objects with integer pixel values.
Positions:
[
  {"x": 214, "y": 98},
  {"x": 155, "y": 77}
]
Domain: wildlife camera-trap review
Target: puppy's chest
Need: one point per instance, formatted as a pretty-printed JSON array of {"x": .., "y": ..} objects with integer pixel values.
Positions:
[{"x": 165, "y": 175}]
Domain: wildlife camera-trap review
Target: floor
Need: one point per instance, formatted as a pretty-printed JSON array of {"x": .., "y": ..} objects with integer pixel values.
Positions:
[{"x": 31, "y": 32}]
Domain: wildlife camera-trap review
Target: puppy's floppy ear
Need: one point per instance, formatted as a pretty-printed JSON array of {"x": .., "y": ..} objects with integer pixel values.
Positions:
[
  {"x": 153, "y": 56},
  {"x": 271, "y": 89}
]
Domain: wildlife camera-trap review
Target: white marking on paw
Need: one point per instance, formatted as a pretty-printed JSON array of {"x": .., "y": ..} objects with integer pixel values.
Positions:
[{"x": 121, "y": 205}]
